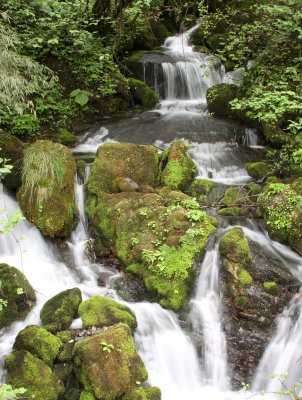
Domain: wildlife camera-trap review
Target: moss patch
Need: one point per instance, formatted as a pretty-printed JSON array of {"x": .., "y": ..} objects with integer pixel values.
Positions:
[
  {"x": 258, "y": 170},
  {"x": 109, "y": 375},
  {"x": 149, "y": 393},
  {"x": 271, "y": 288},
  {"x": 142, "y": 94},
  {"x": 219, "y": 97},
  {"x": 100, "y": 311}
]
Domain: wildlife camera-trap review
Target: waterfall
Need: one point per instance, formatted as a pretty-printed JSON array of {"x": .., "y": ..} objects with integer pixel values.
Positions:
[{"x": 206, "y": 318}]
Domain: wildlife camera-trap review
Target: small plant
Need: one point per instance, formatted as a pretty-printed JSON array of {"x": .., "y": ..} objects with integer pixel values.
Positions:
[
  {"x": 8, "y": 393},
  {"x": 196, "y": 215},
  {"x": 143, "y": 213},
  {"x": 107, "y": 347},
  {"x": 190, "y": 204},
  {"x": 134, "y": 241},
  {"x": 81, "y": 97}
]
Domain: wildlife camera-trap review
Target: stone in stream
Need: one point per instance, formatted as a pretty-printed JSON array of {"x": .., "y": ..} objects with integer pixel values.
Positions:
[
  {"x": 17, "y": 293},
  {"x": 11, "y": 149},
  {"x": 46, "y": 196},
  {"x": 59, "y": 311},
  {"x": 107, "y": 364}
]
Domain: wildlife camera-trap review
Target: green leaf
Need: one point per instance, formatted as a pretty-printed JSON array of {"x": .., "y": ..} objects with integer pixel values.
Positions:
[{"x": 82, "y": 98}]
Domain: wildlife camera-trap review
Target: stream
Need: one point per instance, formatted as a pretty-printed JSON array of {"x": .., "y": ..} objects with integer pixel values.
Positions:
[{"x": 184, "y": 363}]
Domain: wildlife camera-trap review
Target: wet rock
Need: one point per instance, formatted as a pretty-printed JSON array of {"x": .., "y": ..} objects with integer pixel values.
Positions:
[
  {"x": 59, "y": 311},
  {"x": 101, "y": 311},
  {"x": 200, "y": 188},
  {"x": 46, "y": 196},
  {"x": 31, "y": 373},
  {"x": 11, "y": 148},
  {"x": 107, "y": 364},
  {"x": 219, "y": 97},
  {"x": 17, "y": 293},
  {"x": 39, "y": 342},
  {"x": 141, "y": 94},
  {"x": 130, "y": 288}
]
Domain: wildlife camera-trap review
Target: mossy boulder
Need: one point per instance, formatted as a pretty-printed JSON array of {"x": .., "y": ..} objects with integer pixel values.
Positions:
[
  {"x": 235, "y": 196},
  {"x": 59, "y": 311},
  {"x": 39, "y": 342},
  {"x": 231, "y": 212},
  {"x": 31, "y": 373},
  {"x": 200, "y": 188},
  {"x": 122, "y": 160},
  {"x": 236, "y": 255},
  {"x": 87, "y": 396},
  {"x": 17, "y": 292},
  {"x": 259, "y": 170},
  {"x": 108, "y": 375},
  {"x": 141, "y": 94},
  {"x": 142, "y": 393},
  {"x": 46, "y": 196},
  {"x": 160, "y": 31},
  {"x": 281, "y": 208},
  {"x": 219, "y": 97},
  {"x": 66, "y": 337},
  {"x": 11, "y": 148},
  {"x": 101, "y": 311},
  {"x": 178, "y": 169},
  {"x": 66, "y": 137},
  {"x": 81, "y": 167}
]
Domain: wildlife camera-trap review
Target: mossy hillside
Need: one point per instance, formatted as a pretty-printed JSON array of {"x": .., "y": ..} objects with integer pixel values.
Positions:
[
  {"x": 219, "y": 97},
  {"x": 236, "y": 255},
  {"x": 122, "y": 160},
  {"x": 31, "y": 373},
  {"x": 17, "y": 292},
  {"x": 178, "y": 169},
  {"x": 143, "y": 393},
  {"x": 141, "y": 94},
  {"x": 259, "y": 170},
  {"x": 39, "y": 342},
  {"x": 46, "y": 196},
  {"x": 108, "y": 375},
  {"x": 101, "y": 311},
  {"x": 59, "y": 311},
  {"x": 281, "y": 208},
  {"x": 11, "y": 148}
]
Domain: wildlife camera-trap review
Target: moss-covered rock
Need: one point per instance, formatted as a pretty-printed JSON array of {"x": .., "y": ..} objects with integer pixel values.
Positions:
[
  {"x": 234, "y": 249},
  {"x": 59, "y": 311},
  {"x": 81, "y": 167},
  {"x": 122, "y": 160},
  {"x": 66, "y": 337},
  {"x": 142, "y": 393},
  {"x": 66, "y": 137},
  {"x": 46, "y": 196},
  {"x": 281, "y": 208},
  {"x": 101, "y": 311},
  {"x": 87, "y": 396},
  {"x": 31, "y": 373},
  {"x": 141, "y": 94},
  {"x": 219, "y": 97},
  {"x": 39, "y": 342},
  {"x": 108, "y": 375},
  {"x": 259, "y": 170},
  {"x": 11, "y": 148},
  {"x": 235, "y": 196},
  {"x": 231, "y": 212},
  {"x": 271, "y": 288},
  {"x": 160, "y": 31},
  {"x": 178, "y": 169},
  {"x": 18, "y": 294},
  {"x": 200, "y": 188}
]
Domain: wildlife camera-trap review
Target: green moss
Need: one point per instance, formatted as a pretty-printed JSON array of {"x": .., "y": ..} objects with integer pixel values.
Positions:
[
  {"x": 59, "y": 311},
  {"x": 66, "y": 137},
  {"x": 241, "y": 301},
  {"x": 254, "y": 189},
  {"x": 101, "y": 311},
  {"x": 149, "y": 393},
  {"x": 231, "y": 212},
  {"x": 39, "y": 343},
  {"x": 142, "y": 94},
  {"x": 245, "y": 278},
  {"x": 219, "y": 97},
  {"x": 66, "y": 338},
  {"x": 46, "y": 196},
  {"x": 87, "y": 396},
  {"x": 137, "y": 55},
  {"x": 234, "y": 245},
  {"x": 178, "y": 168},
  {"x": 271, "y": 288},
  {"x": 18, "y": 305},
  {"x": 11, "y": 148},
  {"x": 200, "y": 187},
  {"x": 81, "y": 166},
  {"x": 234, "y": 196},
  {"x": 28, "y": 371},
  {"x": 109, "y": 375},
  {"x": 258, "y": 170}
]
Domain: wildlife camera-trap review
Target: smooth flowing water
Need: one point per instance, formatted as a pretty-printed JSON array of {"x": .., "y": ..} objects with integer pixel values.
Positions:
[{"x": 170, "y": 353}]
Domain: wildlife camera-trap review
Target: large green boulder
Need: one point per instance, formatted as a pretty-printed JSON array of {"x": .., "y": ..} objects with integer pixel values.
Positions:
[
  {"x": 39, "y": 342},
  {"x": 59, "y": 311},
  {"x": 11, "y": 149},
  {"x": 107, "y": 364},
  {"x": 31, "y": 373},
  {"x": 219, "y": 97},
  {"x": 281, "y": 208},
  {"x": 46, "y": 196},
  {"x": 16, "y": 295},
  {"x": 178, "y": 169},
  {"x": 116, "y": 162},
  {"x": 101, "y": 311},
  {"x": 236, "y": 255},
  {"x": 259, "y": 170},
  {"x": 141, "y": 94},
  {"x": 142, "y": 393}
]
